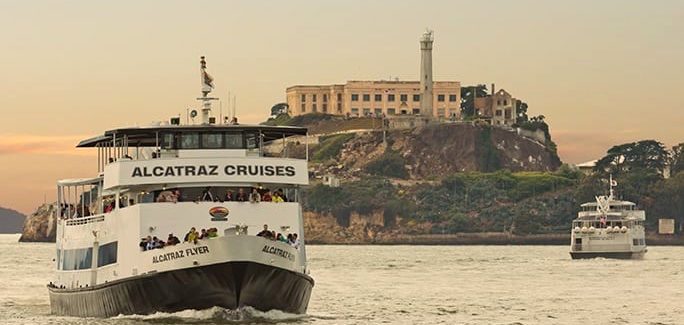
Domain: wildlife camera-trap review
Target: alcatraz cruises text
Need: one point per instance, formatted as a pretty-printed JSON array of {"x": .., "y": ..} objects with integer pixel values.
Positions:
[{"x": 214, "y": 170}]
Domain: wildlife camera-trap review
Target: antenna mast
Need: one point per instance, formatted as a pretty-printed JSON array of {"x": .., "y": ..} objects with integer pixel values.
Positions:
[{"x": 207, "y": 87}]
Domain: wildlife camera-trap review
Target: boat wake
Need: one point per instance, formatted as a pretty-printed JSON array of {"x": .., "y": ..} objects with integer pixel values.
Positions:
[{"x": 244, "y": 315}]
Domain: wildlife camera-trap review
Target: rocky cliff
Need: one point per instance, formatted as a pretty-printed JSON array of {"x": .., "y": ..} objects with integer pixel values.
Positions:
[
  {"x": 41, "y": 225},
  {"x": 436, "y": 151}
]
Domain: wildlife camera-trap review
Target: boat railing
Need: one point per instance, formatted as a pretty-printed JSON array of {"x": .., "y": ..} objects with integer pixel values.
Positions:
[{"x": 85, "y": 220}]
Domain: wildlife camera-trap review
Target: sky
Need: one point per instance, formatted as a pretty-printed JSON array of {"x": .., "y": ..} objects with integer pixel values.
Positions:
[{"x": 601, "y": 72}]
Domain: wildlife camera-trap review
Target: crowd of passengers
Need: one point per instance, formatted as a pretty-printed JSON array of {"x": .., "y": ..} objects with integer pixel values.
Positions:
[
  {"x": 289, "y": 239},
  {"x": 153, "y": 242},
  {"x": 150, "y": 242},
  {"x": 254, "y": 195}
]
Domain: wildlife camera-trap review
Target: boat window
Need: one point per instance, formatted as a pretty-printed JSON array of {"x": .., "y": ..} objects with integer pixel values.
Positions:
[
  {"x": 189, "y": 141},
  {"x": 168, "y": 141},
  {"x": 252, "y": 140},
  {"x": 233, "y": 141},
  {"x": 77, "y": 259},
  {"x": 212, "y": 140},
  {"x": 106, "y": 254}
]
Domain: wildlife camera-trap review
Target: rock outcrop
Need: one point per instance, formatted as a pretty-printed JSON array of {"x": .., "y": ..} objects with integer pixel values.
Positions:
[{"x": 41, "y": 225}]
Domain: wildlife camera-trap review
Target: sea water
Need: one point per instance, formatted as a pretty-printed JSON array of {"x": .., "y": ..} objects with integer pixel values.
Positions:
[{"x": 413, "y": 285}]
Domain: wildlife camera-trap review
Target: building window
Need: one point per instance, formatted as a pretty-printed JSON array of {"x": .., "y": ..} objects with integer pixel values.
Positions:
[
  {"x": 325, "y": 107},
  {"x": 366, "y": 97},
  {"x": 505, "y": 102},
  {"x": 452, "y": 98},
  {"x": 391, "y": 111},
  {"x": 106, "y": 254},
  {"x": 313, "y": 97},
  {"x": 390, "y": 98},
  {"x": 303, "y": 107},
  {"x": 303, "y": 98},
  {"x": 325, "y": 97},
  {"x": 498, "y": 112},
  {"x": 366, "y": 111},
  {"x": 498, "y": 102},
  {"x": 507, "y": 113},
  {"x": 378, "y": 111},
  {"x": 416, "y": 98},
  {"x": 416, "y": 111},
  {"x": 355, "y": 97},
  {"x": 355, "y": 111},
  {"x": 313, "y": 107},
  {"x": 339, "y": 97},
  {"x": 403, "y": 97},
  {"x": 440, "y": 98},
  {"x": 378, "y": 97},
  {"x": 339, "y": 107}
]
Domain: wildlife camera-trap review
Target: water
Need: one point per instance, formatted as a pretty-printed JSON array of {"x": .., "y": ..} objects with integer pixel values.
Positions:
[{"x": 414, "y": 285}]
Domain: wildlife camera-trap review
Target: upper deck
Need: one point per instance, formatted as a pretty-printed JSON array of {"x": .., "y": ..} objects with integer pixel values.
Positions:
[{"x": 197, "y": 154}]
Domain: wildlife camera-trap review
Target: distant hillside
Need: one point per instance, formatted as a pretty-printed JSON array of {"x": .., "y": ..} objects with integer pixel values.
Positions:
[{"x": 11, "y": 222}]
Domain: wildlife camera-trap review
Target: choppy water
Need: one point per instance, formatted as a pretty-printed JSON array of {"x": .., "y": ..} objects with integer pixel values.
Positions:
[{"x": 414, "y": 285}]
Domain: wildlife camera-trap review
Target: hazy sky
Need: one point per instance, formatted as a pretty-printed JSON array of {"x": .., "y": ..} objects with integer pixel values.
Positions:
[{"x": 602, "y": 72}]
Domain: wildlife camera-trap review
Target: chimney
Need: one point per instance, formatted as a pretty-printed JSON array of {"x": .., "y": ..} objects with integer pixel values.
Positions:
[{"x": 493, "y": 89}]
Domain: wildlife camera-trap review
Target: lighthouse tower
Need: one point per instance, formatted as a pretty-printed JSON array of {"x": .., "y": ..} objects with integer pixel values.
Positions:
[{"x": 426, "y": 98}]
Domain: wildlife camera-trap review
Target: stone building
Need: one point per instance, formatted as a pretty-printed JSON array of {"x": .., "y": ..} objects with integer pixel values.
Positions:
[
  {"x": 499, "y": 106},
  {"x": 363, "y": 98}
]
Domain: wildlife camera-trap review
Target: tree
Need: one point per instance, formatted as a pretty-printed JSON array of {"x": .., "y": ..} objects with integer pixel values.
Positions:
[
  {"x": 468, "y": 95},
  {"x": 280, "y": 108},
  {"x": 645, "y": 155},
  {"x": 677, "y": 160},
  {"x": 521, "y": 109}
]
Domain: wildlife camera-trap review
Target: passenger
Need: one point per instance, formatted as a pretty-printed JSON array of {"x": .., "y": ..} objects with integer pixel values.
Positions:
[
  {"x": 143, "y": 244},
  {"x": 265, "y": 233},
  {"x": 158, "y": 243},
  {"x": 165, "y": 196},
  {"x": 273, "y": 235},
  {"x": 295, "y": 242},
  {"x": 212, "y": 232},
  {"x": 266, "y": 197},
  {"x": 255, "y": 197},
  {"x": 207, "y": 195},
  {"x": 277, "y": 198},
  {"x": 150, "y": 243},
  {"x": 177, "y": 196},
  {"x": 241, "y": 196},
  {"x": 229, "y": 196},
  {"x": 290, "y": 240},
  {"x": 172, "y": 240},
  {"x": 281, "y": 193},
  {"x": 280, "y": 238},
  {"x": 191, "y": 236},
  {"x": 203, "y": 234}
]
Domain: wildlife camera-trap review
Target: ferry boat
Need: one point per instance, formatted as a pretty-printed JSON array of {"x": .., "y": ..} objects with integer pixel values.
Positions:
[
  {"x": 125, "y": 239},
  {"x": 608, "y": 228}
]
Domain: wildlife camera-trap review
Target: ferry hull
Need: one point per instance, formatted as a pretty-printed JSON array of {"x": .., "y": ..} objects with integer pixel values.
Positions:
[
  {"x": 615, "y": 255},
  {"x": 228, "y": 285}
]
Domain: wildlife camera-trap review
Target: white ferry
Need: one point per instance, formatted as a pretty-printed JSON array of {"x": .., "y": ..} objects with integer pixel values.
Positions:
[
  {"x": 125, "y": 243},
  {"x": 608, "y": 228}
]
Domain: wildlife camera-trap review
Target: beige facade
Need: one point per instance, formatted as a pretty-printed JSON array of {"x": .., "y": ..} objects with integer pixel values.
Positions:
[
  {"x": 363, "y": 98},
  {"x": 500, "y": 106}
]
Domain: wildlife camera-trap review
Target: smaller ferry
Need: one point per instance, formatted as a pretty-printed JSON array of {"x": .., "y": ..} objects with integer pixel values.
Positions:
[{"x": 608, "y": 228}]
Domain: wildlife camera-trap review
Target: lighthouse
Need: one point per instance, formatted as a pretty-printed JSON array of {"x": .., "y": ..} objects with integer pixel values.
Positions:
[{"x": 426, "y": 98}]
